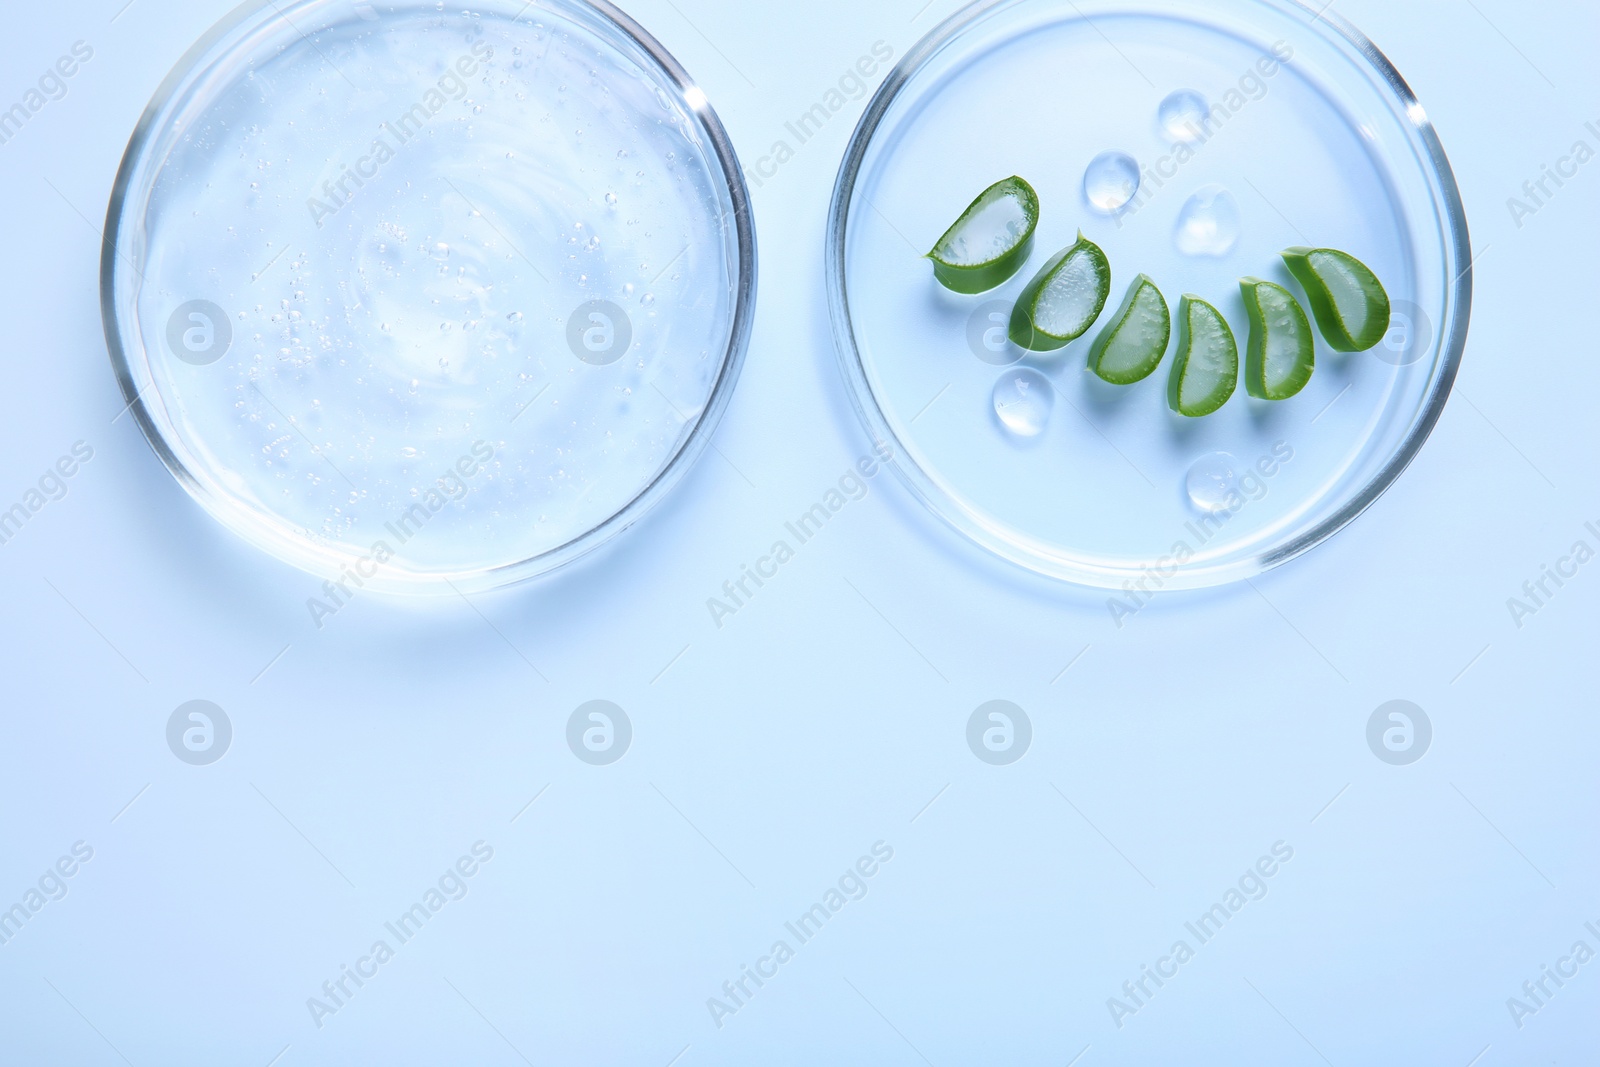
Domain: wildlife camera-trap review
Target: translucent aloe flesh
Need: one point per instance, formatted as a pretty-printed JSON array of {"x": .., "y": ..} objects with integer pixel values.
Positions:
[
  {"x": 1206, "y": 369},
  {"x": 1282, "y": 353},
  {"x": 1064, "y": 298},
  {"x": 1350, "y": 303},
  {"x": 1132, "y": 346},
  {"x": 990, "y": 241}
]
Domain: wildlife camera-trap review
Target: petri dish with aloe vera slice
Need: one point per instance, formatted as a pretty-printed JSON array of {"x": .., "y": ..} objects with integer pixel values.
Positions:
[{"x": 1193, "y": 141}]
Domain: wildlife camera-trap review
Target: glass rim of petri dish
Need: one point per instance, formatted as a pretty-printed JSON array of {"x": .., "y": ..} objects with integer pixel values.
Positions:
[
  {"x": 125, "y": 238},
  {"x": 1037, "y": 555}
]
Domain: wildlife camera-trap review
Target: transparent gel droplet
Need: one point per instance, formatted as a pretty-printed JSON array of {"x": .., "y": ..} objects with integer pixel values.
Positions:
[
  {"x": 1181, "y": 116},
  {"x": 1213, "y": 482},
  {"x": 1023, "y": 400},
  {"x": 1208, "y": 225},
  {"x": 1111, "y": 181}
]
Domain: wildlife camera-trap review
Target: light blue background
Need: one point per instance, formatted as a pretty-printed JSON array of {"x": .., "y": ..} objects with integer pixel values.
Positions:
[{"x": 770, "y": 754}]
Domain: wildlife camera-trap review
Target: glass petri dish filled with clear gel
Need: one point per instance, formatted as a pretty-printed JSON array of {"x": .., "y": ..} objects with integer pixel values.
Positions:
[
  {"x": 441, "y": 298},
  {"x": 1193, "y": 141}
]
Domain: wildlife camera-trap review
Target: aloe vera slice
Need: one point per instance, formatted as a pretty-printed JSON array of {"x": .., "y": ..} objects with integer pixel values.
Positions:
[
  {"x": 1206, "y": 370},
  {"x": 1132, "y": 346},
  {"x": 1349, "y": 301},
  {"x": 1282, "y": 352},
  {"x": 990, "y": 241},
  {"x": 1064, "y": 298}
]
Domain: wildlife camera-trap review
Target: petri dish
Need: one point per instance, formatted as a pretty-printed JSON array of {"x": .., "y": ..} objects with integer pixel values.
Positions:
[
  {"x": 1252, "y": 126},
  {"x": 443, "y": 299}
]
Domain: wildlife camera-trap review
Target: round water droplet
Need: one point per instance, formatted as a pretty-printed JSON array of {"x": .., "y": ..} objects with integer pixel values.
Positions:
[
  {"x": 1213, "y": 482},
  {"x": 1023, "y": 400},
  {"x": 409, "y": 452},
  {"x": 1208, "y": 225},
  {"x": 1111, "y": 181},
  {"x": 515, "y": 316},
  {"x": 1181, "y": 116},
  {"x": 611, "y": 198}
]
